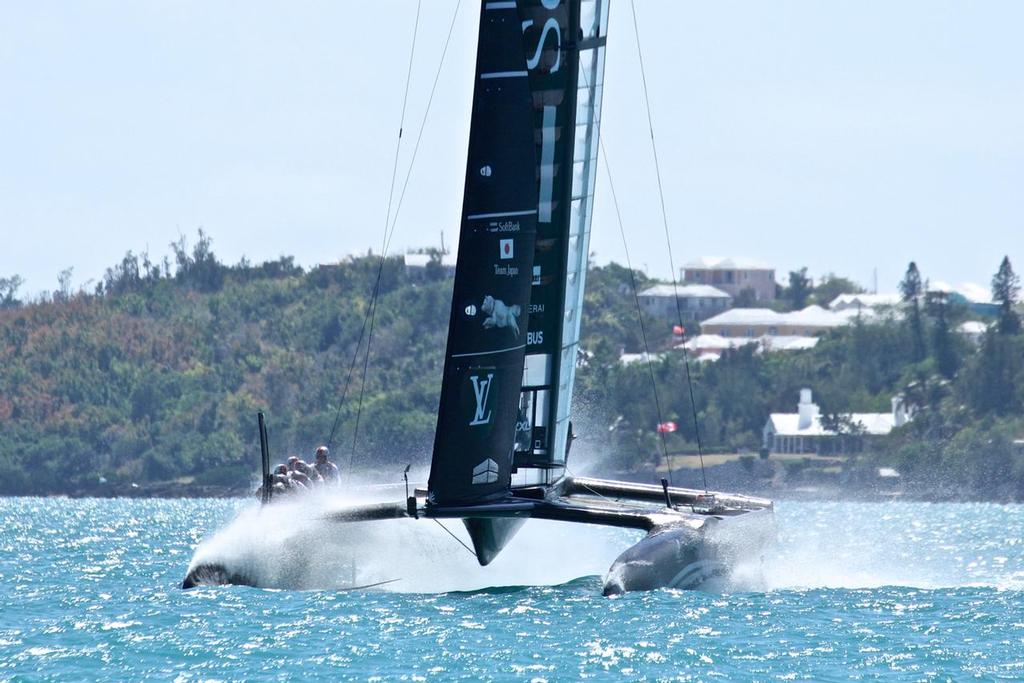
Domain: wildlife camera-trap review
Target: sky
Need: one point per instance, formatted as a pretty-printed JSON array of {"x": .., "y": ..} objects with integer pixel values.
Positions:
[{"x": 844, "y": 136}]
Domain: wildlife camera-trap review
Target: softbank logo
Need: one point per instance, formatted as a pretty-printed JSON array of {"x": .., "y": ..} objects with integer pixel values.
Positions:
[{"x": 482, "y": 392}]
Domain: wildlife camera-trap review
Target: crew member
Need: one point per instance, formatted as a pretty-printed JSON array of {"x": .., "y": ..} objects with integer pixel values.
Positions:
[
  {"x": 327, "y": 470},
  {"x": 301, "y": 472},
  {"x": 281, "y": 480}
]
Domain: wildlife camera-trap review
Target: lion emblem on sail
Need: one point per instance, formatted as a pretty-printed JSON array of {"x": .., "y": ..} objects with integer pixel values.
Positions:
[{"x": 500, "y": 314}]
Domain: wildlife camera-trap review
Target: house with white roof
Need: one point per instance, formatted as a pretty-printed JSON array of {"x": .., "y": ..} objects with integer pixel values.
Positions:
[
  {"x": 973, "y": 331},
  {"x": 758, "y": 322},
  {"x": 806, "y": 432},
  {"x": 712, "y": 346},
  {"x": 631, "y": 358},
  {"x": 732, "y": 275},
  {"x": 860, "y": 302},
  {"x": 696, "y": 302},
  {"x": 976, "y": 298}
]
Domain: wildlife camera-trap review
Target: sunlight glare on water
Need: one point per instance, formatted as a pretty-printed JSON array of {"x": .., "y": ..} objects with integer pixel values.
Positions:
[{"x": 908, "y": 591}]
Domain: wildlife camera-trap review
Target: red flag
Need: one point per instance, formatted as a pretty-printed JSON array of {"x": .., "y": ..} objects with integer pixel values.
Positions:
[
  {"x": 666, "y": 427},
  {"x": 678, "y": 330}
]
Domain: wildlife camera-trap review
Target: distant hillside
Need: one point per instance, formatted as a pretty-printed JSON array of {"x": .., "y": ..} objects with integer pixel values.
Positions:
[{"x": 157, "y": 376}]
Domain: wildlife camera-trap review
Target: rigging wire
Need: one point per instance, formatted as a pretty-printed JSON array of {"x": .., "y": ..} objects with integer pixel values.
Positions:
[
  {"x": 389, "y": 232},
  {"x": 639, "y": 310},
  {"x": 423, "y": 123},
  {"x": 387, "y": 235},
  {"x": 371, "y": 306},
  {"x": 668, "y": 241},
  {"x": 596, "y": 493},
  {"x": 603, "y": 152},
  {"x": 468, "y": 549},
  {"x": 348, "y": 379}
]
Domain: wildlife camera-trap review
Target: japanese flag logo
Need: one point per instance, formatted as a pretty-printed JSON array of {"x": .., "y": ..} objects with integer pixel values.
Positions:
[{"x": 506, "y": 249}]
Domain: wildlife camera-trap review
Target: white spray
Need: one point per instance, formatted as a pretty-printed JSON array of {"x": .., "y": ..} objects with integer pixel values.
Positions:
[{"x": 289, "y": 544}]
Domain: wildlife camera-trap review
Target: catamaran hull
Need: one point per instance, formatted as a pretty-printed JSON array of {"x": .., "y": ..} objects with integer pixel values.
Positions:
[
  {"x": 676, "y": 558},
  {"x": 685, "y": 557},
  {"x": 214, "y": 574}
]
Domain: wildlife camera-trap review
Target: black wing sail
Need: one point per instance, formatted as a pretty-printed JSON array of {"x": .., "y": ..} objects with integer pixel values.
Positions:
[
  {"x": 524, "y": 241},
  {"x": 487, "y": 333}
]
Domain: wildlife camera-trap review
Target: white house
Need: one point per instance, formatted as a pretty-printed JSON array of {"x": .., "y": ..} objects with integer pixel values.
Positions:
[
  {"x": 973, "y": 330},
  {"x": 757, "y": 322},
  {"x": 803, "y": 431},
  {"x": 712, "y": 346},
  {"x": 696, "y": 302},
  {"x": 870, "y": 302},
  {"x": 732, "y": 275},
  {"x": 976, "y": 298}
]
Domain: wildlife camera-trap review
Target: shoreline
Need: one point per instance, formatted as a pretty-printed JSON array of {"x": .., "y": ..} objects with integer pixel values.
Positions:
[
  {"x": 824, "y": 494},
  {"x": 778, "y": 479}
]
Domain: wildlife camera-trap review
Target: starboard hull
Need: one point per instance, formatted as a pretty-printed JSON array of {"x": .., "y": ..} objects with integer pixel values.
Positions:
[{"x": 686, "y": 557}]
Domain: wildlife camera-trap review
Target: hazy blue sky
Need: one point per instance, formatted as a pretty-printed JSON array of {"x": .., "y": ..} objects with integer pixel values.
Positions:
[{"x": 842, "y": 136}]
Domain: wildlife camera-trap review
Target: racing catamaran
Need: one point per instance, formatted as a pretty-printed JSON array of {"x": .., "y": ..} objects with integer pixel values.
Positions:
[{"x": 503, "y": 429}]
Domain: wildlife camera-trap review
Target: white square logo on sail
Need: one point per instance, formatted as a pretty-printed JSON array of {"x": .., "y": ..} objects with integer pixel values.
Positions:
[
  {"x": 486, "y": 472},
  {"x": 506, "y": 248}
]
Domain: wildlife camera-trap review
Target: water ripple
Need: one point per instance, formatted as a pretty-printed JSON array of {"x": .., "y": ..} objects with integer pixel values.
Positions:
[{"x": 900, "y": 592}]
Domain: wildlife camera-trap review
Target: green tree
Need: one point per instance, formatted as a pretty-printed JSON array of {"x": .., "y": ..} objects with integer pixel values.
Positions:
[
  {"x": 1005, "y": 290},
  {"x": 9, "y": 287},
  {"x": 831, "y": 285},
  {"x": 200, "y": 268},
  {"x": 63, "y": 292},
  {"x": 996, "y": 376},
  {"x": 159, "y": 376},
  {"x": 911, "y": 290},
  {"x": 799, "y": 289},
  {"x": 944, "y": 345}
]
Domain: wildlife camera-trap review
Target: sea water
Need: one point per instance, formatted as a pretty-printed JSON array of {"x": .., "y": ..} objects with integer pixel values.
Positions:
[{"x": 893, "y": 591}]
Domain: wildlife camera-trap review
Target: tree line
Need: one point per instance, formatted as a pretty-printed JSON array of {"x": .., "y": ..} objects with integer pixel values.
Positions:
[{"x": 156, "y": 374}]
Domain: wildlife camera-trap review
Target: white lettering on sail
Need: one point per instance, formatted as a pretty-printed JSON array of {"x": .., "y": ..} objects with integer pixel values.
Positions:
[
  {"x": 549, "y": 25},
  {"x": 547, "y": 165},
  {"x": 507, "y": 271},
  {"x": 482, "y": 391}
]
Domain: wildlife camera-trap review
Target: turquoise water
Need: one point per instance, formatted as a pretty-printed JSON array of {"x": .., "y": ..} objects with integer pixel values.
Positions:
[{"x": 852, "y": 591}]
